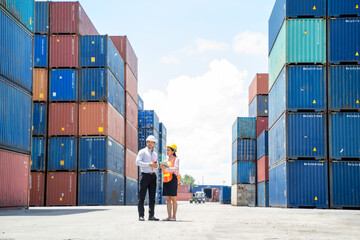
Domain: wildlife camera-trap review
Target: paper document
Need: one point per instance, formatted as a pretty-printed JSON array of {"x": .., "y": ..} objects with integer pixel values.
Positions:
[{"x": 164, "y": 163}]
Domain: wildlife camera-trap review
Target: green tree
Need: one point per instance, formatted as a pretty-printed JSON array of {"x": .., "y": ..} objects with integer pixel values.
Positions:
[{"x": 187, "y": 180}]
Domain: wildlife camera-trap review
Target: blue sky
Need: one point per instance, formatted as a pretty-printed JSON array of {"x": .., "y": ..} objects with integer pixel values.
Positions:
[{"x": 196, "y": 61}]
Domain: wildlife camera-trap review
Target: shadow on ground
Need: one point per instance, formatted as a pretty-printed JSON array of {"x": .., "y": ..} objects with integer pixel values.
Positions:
[{"x": 47, "y": 212}]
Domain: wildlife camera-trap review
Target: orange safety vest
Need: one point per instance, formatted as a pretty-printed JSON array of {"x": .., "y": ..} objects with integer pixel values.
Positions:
[{"x": 167, "y": 176}]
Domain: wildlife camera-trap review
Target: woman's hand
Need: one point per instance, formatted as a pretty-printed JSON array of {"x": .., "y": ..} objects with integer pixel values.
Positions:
[{"x": 163, "y": 167}]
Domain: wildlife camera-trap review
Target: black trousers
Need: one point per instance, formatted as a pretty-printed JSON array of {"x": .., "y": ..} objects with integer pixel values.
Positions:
[{"x": 147, "y": 182}]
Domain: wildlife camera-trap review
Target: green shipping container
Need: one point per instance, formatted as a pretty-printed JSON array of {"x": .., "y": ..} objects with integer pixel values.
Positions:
[{"x": 299, "y": 41}]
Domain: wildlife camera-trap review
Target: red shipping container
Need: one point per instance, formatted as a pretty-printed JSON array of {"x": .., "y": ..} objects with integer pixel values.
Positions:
[
  {"x": 131, "y": 137},
  {"x": 131, "y": 169},
  {"x": 127, "y": 53},
  {"x": 132, "y": 112},
  {"x": 37, "y": 189},
  {"x": 63, "y": 119},
  {"x": 40, "y": 85},
  {"x": 61, "y": 189},
  {"x": 101, "y": 119},
  {"x": 263, "y": 169},
  {"x": 259, "y": 86},
  {"x": 262, "y": 123},
  {"x": 183, "y": 189},
  {"x": 215, "y": 195},
  {"x": 184, "y": 196},
  {"x": 70, "y": 17},
  {"x": 14, "y": 180},
  {"x": 64, "y": 51},
  {"x": 131, "y": 84}
]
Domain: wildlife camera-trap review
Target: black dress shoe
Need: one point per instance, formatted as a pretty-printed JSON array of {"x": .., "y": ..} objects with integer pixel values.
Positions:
[
  {"x": 141, "y": 219},
  {"x": 153, "y": 219}
]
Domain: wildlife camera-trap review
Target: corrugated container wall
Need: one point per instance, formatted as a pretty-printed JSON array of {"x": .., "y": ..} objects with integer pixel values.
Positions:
[
  {"x": 262, "y": 124},
  {"x": 41, "y": 51},
  {"x": 37, "y": 189},
  {"x": 345, "y": 184},
  {"x": 42, "y": 25},
  {"x": 259, "y": 86},
  {"x": 15, "y": 118},
  {"x": 243, "y": 195},
  {"x": 259, "y": 106},
  {"x": 244, "y": 150},
  {"x": 63, "y": 85},
  {"x": 263, "y": 194},
  {"x": 99, "y": 51},
  {"x": 132, "y": 112},
  {"x": 344, "y": 88},
  {"x": 163, "y": 131},
  {"x": 14, "y": 179},
  {"x": 243, "y": 172},
  {"x": 299, "y": 183},
  {"x": 344, "y": 135},
  {"x": 132, "y": 137},
  {"x": 101, "y": 153},
  {"x": 338, "y": 8},
  {"x": 99, "y": 84},
  {"x": 40, "y": 85},
  {"x": 225, "y": 195},
  {"x": 131, "y": 169},
  {"x": 63, "y": 119},
  {"x": 38, "y": 156},
  {"x": 70, "y": 17},
  {"x": 61, "y": 189},
  {"x": 298, "y": 88},
  {"x": 244, "y": 128},
  {"x": 287, "y": 9},
  {"x": 131, "y": 83},
  {"x": 39, "y": 119},
  {"x": 62, "y": 154},
  {"x": 344, "y": 46},
  {"x": 64, "y": 51},
  {"x": 295, "y": 36},
  {"x": 262, "y": 144},
  {"x": 140, "y": 104},
  {"x": 19, "y": 46},
  {"x": 131, "y": 191},
  {"x": 263, "y": 169},
  {"x": 148, "y": 119},
  {"x": 22, "y": 10}
]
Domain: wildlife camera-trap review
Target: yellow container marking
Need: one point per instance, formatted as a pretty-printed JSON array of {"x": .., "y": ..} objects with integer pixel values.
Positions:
[
  {"x": 101, "y": 129},
  {"x": 316, "y": 199},
  {"x": 62, "y": 163},
  {"x": 61, "y": 199},
  {"x": 41, "y": 95},
  {"x": 314, "y": 102},
  {"x": 314, "y": 8},
  {"x": 314, "y": 150},
  {"x": 62, "y": 129},
  {"x": 92, "y": 93},
  {"x": 92, "y": 59}
]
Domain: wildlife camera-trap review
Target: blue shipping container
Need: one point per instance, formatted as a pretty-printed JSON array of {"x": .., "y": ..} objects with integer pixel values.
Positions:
[
  {"x": 263, "y": 194},
  {"x": 143, "y": 133},
  {"x": 344, "y": 88},
  {"x": 284, "y": 9},
  {"x": 244, "y": 150},
  {"x": 244, "y": 127},
  {"x": 63, "y": 85},
  {"x": 162, "y": 131},
  {"x": 99, "y": 84},
  {"x": 39, "y": 119},
  {"x": 131, "y": 192},
  {"x": 22, "y": 10},
  {"x": 262, "y": 144},
  {"x": 100, "y": 188},
  {"x": 42, "y": 17},
  {"x": 99, "y": 51},
  {"x": 298, "y": 88},
  {"x": 299, "y": 183},
  {"x": 259, "y": 106},
  {"x": 38, "y": 153},
  {"x": 243, "y": 172},
  {"x": 345, "y": 184},
  {"x": 344, "y": 135},
  {"x": 225, "y": 195},
  {"x": 338, "y": 8},
  {"x": 305, "y": 137},
  {"x": 15, "y": 118},
  {"x": 140, "y": 104},
  {"x": 62, "y": 154},
  {"x": 148, "y": 119},
  {"x": 41, "y": 51},
  {"x": 101, "y": 153},
  {"x": 16, "y": 56},
  {"x": 344, "y": 45},
  {"x": 162, "y": 146}
]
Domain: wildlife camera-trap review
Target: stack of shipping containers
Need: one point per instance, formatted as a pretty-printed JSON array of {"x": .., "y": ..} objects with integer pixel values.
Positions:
[
  {"x": 258, "y": 108},
  {"x": 298, "y": 175},
  {"x": 162, "y": 157},
  {"x": 131, "y": 117},
  {"x": 343, "y": 103},
  {"x": 243, "y": 190},
  {"x": 40, "y": 106},
  {"x": 16, "y": 80}
]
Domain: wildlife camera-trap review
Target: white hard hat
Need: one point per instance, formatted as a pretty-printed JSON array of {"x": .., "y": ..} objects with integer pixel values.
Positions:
[{"x": 151, "y": 138}]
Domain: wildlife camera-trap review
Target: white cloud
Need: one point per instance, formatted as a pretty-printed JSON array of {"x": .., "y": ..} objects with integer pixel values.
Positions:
[
  {"x": 203, "y": 45},
  {"x": 251, "y": 43},
  {"x": 198, "y": 113},
  {"x": 170, "y": 60}
]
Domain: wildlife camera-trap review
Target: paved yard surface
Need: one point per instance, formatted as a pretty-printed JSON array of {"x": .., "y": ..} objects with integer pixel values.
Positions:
[{"x": 206, "y": 221}]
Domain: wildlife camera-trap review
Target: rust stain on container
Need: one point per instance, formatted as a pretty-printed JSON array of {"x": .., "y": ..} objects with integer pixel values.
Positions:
[
  {"x": 131, "y": 137},
  {"x": 131, "y": 84},
  {"x": 40, "y": 85},
  {"x": 14, "y": 180},
  {"x": 131, "y": 169},
  {"x": 63, "y": 119},
  {"x": 64, "y": 51},
  {"x": 259, "y": 86},
  {"x": 131, "y": 111},
  {"x": 61, "y": 189},
  {"x": 101, "y": 119},
  {"x": 37, "y": 189}
]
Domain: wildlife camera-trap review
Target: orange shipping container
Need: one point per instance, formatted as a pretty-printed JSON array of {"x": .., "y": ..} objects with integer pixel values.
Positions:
[
  {"x": 131, "y": 137},
  {"x": 131, "y": 169},
  {"x": 40, "y": 85},
  {"x": 132, "y": 112},
  {"x": 101, "y": 119},
  {"x": 63, "y": 119},
  {"x": 61, "y": 189},
  {"x": 37, "y": 189},
  {"x": 259, "y": 86},
  {"x": 64, "y": 51},
  {"x": 131, "y": 84}
]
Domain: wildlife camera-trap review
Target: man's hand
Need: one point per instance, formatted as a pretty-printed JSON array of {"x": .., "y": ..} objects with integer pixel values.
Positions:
[{"x": 154, "y": 165}]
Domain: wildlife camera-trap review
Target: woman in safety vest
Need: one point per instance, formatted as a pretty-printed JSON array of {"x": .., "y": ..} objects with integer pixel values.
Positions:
[{"x": 170, "y": 180}]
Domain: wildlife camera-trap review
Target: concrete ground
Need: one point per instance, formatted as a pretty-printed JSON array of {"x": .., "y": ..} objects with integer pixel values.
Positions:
[{"x": 205, "y": 221}]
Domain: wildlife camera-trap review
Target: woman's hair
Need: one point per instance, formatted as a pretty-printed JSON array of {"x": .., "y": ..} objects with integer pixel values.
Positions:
[{"x": 173, "y": 151}]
